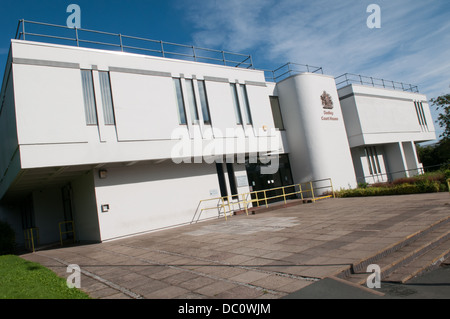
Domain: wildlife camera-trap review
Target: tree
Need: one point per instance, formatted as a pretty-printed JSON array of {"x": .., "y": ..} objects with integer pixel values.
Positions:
[
  {"x": 438, "y": 155},
  {"x": 442, "y": 104}
]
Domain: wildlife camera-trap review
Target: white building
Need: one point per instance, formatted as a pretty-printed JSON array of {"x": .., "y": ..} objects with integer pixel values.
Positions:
[{"x": 124, "y": 143}]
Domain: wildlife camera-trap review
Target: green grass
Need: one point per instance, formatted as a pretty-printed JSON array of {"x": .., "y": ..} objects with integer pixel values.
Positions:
[{"x": 22, "y": 279}]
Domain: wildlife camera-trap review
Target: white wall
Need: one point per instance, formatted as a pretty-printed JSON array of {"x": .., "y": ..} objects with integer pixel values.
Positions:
[
  {"x": 9, "y": 146},
  {"x": 147, "y": 197},
  {"x": 395, "y": 159},
  {"x": 378, "y": 116},
  {"x": 50, "y": 107},
  {"x": 318, "y": 145}
]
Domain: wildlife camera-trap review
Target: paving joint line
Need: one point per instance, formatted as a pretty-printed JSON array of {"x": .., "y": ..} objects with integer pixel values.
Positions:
[
  {"x": 281, "y": 274},
  {"x": 98, "y": 278},
  {"x": 274, "y": 292}
]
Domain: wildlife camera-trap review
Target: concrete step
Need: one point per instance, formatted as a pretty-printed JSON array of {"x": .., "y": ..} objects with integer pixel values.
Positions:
[
  {"x": 432, "y": 235},
  {"x": 426, "y": 262},
  {"x": 407, "y": 257}
]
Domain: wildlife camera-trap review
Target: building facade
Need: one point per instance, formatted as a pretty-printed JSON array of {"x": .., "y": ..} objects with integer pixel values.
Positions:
[{"x": 124, "y": 143}]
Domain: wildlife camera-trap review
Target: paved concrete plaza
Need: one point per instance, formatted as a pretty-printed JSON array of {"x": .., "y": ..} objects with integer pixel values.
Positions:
[{"x": 267, "y": 255}]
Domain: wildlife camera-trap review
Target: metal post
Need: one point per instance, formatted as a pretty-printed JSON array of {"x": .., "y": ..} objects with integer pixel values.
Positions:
[
  {"x": 312, "y": 191},
  {"x": 223, "y": 57},
  {"x": 245, "y": 203},
  {"x": 301, "y": 191},
  {"x": 223, "y": 206},
  {"x": 162, "y": 48},
  {"x": 76, "y": 36},
  {"x": 284, "y": 195},
  {"x": 332, "y": 189},
  {"x": 32, "y": 239},
  {"x": 23, "y": 28},
  {"x": 121, "y": 44},
  {"x": 193, "y": 52},
  {"x": 265, "y": 198}
]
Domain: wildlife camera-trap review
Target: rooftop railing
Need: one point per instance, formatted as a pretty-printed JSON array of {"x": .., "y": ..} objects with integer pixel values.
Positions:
[
  {"x": 57, "y": 34},
  {"x": 349, "y": 78},
  {"x": 289, "y": 69}
]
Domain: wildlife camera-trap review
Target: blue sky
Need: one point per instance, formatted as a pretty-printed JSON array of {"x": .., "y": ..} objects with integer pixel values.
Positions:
[{"x": 412, "y": 45}]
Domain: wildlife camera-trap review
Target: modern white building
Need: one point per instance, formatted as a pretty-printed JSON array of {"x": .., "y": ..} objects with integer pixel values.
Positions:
[{"x": 125, "y": 143}]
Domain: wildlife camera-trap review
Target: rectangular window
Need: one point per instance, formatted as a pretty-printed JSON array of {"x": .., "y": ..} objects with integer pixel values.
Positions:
[
  {"x": 108, "y": 108},
  {"x": 237, "y": 108},
  {"x": 90, "y": 107},
  {"x": 424, "y": 119},
  {"x": 276, "y": 112},
  {"x": 180, "y": 102},
  {"x": 192, "y": 101},
  {"x": 244, "y": 96},
  {"x": 421, "y": 115},
  {"x": 372, "y": 160},
  {"x": 204, "y": 102}
]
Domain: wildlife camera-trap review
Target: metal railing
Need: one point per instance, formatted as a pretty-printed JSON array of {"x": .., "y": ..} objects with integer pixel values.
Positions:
[
  {"x": 31, "y": 236},
  {"x": 69, "y": 230},
  {"x": 289, "y": 69},
  {"x": 226, "y": 205},
  {"x": 349, "y": 78},
  {"x": 57, "y": 34}
]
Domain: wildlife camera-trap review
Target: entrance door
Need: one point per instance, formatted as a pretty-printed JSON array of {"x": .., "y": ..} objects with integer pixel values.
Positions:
[{"x": 259, "y": 181}]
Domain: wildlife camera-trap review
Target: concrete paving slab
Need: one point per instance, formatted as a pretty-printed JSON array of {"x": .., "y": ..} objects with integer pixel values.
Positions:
[{"x": 267, "y": 255}]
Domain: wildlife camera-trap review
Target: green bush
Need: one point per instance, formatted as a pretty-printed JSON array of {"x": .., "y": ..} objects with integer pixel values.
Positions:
[
  {"x": 7, "y": 239},
  {"x": 413, "y": 186}
]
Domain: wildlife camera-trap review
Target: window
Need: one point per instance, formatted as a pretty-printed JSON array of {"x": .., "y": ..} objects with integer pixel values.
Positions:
[
  {"x": 192, "y": 101},
  {"x": 244, "y": 96},
  {"x": 204, "y": 102},
  {"x": 237, "y": 108},
  {"x": 108, "y": 108},
  {"x": 89, "y": 97},
  {"x": 276, "y": 112},
  {"x": 421, "y": 115},
  {"x": 180, "y": 102},
  {"x": 372, "y": 160}
]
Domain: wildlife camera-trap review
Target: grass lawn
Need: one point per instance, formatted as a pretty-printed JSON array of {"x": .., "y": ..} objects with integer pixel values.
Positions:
[{"x": 22, "y": 279}]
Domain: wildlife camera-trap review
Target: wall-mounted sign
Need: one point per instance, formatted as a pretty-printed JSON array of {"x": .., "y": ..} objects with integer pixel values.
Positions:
[
  {"x": 241, "y": 181},
  {"x": 327, "y": 101},
  {"x": 327, "y": 104}
]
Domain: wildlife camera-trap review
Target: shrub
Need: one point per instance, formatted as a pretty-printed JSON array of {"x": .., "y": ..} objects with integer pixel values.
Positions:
[{"x": 7, "y": 239}]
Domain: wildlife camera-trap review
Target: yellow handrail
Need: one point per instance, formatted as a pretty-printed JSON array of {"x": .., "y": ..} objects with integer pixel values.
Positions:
[
  {"x": 30, "y": 242},
  {"x": 244, "y": 199}
]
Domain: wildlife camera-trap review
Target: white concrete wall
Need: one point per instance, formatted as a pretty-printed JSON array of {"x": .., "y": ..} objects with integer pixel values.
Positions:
[
  {"x": 318, "y": 145},
  {"x": 50, "y": 109},
  {"x": 379, "y": 116},
  {"x": 148, "y": 197},
  {"x": 9, "y": 146},
  {"x": 395, "y": 159},
  {"x": 361, "y": 164}
]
